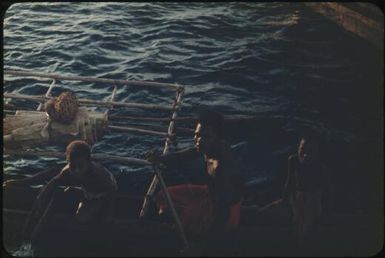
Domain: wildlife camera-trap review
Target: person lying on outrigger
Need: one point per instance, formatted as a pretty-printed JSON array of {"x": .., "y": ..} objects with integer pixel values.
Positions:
[
  {"x": 97, "y": 183},
  {"x": 214, "y": 207}
]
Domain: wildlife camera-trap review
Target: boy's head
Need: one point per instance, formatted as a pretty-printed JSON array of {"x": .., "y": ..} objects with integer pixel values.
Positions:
[{"x": 78, "y": 155}]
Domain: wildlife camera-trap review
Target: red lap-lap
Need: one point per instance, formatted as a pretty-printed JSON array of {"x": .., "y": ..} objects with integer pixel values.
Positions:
[{"x": 194, "y": 207}]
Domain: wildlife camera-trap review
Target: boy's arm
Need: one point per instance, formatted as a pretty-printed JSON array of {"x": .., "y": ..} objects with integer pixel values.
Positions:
[{"x": 61, "y": 179}]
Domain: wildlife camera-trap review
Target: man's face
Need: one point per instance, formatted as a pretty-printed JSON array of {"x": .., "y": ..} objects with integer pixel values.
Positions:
[
  {"x": 78, "y": 166},
  {"x": 203, "y": 138}
]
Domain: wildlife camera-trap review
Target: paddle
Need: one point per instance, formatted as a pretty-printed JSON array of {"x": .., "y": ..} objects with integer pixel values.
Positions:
[{"x": 31, "y": 238}]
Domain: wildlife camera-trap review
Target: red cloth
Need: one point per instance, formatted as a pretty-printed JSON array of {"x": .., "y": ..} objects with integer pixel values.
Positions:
[{"x": 195, "y": 208}]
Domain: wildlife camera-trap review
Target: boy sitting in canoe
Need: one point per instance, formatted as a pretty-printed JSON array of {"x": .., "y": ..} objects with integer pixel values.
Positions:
[
  {"x": 97, "y": 183},
  {"x": 214, "y": 207}
]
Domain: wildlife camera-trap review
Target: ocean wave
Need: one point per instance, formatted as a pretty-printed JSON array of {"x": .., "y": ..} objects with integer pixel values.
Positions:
[{"x": 238, "y": 58}]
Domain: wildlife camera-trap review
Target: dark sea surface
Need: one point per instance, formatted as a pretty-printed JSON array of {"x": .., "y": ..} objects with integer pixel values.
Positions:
[{"x": 280, "y": 62}]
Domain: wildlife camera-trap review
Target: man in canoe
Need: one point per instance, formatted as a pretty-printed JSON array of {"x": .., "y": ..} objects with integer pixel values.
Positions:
[
  {"x": 307, "y": 180},
  {"x": 215, "y": 206},
  {"x": 97, "y": 183},
  {"x": 306, "y": 186}
]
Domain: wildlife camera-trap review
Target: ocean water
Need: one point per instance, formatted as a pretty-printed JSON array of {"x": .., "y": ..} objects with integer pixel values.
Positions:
[{"x": 275, "y": 61}]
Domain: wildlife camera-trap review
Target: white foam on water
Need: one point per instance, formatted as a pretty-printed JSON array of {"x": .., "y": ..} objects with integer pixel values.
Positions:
[{"x": 25, "y": 250}]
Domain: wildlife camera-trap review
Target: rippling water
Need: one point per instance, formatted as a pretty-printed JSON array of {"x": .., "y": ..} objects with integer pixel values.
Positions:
[{"x": 273, "y": 60}]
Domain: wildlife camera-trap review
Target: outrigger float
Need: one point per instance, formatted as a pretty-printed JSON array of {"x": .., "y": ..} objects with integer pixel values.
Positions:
[{"x": 134, "y": 229}]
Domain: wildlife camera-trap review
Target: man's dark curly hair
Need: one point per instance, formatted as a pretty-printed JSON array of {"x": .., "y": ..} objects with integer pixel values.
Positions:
[
  {"x": 78, "y": 149},
  {"x": 212, "y": 119}
]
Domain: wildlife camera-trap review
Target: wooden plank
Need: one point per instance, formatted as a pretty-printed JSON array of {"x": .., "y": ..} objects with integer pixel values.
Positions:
[
  {"x": 91, "y": 102},
  {"x": 98, "y": 156},
  {"x": 352, "y": 21}
]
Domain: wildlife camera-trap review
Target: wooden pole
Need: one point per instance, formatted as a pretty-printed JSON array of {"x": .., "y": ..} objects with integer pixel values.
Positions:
[
  {"x": 7, "y": 111},
  {"x": 91, "y": 79},
  {"x": 171, "y": 206},
  {"x": 158, "y": 176},
  {"x": 93, "y": 156},
  {"x": 42, "y": 220},
  {"x": 8, "y": 106},
  {"x": 155, "y": 127},
  {"x": 232, "y": 118},
  {"x": 112, "y": 99},
  {"x": 136, "y": 130},
  {"x": 125, "y": 160},
  {"x": 90, "y": 102},
  {"x": 162, "y": 119},
  {"x": 154, "y": 182}
]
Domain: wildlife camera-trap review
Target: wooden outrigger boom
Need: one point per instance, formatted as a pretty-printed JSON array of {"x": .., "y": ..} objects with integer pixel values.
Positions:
[
  {"x": 108, "y": 104},
  {"x": 99, "y": 156},
  {"x": 89, "y": 102},
  {"x": 155, "y": 180},
  {"x": 169, "y": 135},
  {"x": 92, "y": 79},
  {"x": 158, "y": 176}
]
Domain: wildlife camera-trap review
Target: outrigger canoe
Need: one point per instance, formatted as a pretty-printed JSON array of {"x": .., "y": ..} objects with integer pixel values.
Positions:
[
  {"x": 126, "y": 235},
  {"x": 62, "y": 235}
]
